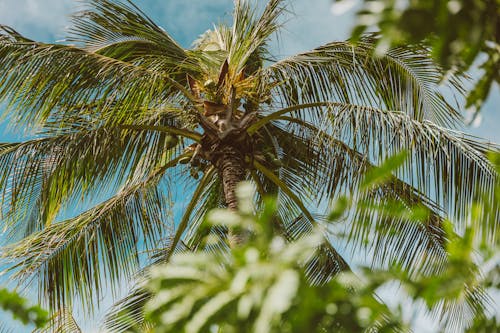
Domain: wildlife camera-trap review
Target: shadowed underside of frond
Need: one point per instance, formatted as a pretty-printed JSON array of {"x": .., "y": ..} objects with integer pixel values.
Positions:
[
  {"x": 95, "y": 248},
  {"x": 40, "y": 176},
  {"x": 75, "y": 257},
  {"x": 426, "y": 236}
]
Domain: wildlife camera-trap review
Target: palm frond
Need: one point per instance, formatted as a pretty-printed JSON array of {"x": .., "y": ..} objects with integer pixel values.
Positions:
[
  {"x": 447, "y": 166},
  {"x": 213, "y": 41},
  {"x": 74, "y": 257},
  {"x": 120, "y": 30},
  {"x": 289, "y": 221},
  {"x": 211, "y": 198},
  {"x": 128, "y": 313},
  {"x": 47, "y": 80},
  {"x": 250, "y": 34},
  {"x": 400, "y": 236},
  {"x": 456, "y": 315},
  {"x": 392, "y": 224},
  {"x": 404, "y": 79},
  {"x": 183, "y": 224},
  {"x": 335, "y": 169},
  {"x": 61, "y": 322},
  {"x": 40, "y": 176},
  {"x": 327, "y": 260},
  {"x": 105, "y": 22}
]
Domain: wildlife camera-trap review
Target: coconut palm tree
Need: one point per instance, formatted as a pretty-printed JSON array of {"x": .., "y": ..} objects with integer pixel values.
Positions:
[{"x": 122, "y": 113}]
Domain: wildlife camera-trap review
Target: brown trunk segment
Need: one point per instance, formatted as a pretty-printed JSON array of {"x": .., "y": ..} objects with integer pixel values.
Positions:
[{"x": 231, "y": 166}]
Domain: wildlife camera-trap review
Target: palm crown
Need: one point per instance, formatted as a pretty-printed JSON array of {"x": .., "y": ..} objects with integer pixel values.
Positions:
[{"x": 125, "y": 105}]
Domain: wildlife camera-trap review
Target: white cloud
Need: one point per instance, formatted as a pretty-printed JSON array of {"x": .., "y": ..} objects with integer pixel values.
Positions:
[
  {"x": 186, "y": 20},
  {"x": 39, "y": 19},
  {"x": 312, "y": 24},
  {"x": 309, "y": 25},
  {"x": 342, "y": 7}
]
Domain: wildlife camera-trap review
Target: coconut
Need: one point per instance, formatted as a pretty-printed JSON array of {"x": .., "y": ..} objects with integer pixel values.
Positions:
[{"x": 171, "y": 141}]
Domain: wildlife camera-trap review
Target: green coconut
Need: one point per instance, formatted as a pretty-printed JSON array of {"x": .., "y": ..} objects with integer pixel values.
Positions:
[
  {"x": 273, "y": 160},
  {"x": 171, "y": 141},
  {"x": 276, "y": 163}
]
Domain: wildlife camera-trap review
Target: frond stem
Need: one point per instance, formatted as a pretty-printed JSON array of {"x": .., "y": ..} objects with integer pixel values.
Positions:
[
  {"x": 275, "y": 115},
  {"x": 189, "y": 209},
  {"x": 178, "y": 131}
]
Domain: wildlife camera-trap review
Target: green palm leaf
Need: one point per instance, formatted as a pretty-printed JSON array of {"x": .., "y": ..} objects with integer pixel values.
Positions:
[
  {"x": 444, "y": 164},
  {"x": 47, "y": 173},
  {"x": 250, "y": 34},
  {"x": 52, "y": 80},
  {"x": 403, "y": 79},
  {"x": 103, "y": 23},
  {"x": 61, "y": 322},
  {"x": 74, "y": 257}
]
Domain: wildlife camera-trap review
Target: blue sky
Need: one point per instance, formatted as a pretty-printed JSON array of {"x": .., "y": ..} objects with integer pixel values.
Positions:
[{"x": 311, "y": 25}]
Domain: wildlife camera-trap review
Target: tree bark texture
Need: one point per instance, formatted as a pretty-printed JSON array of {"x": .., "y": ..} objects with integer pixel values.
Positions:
[
  {"x": 231, "y": 167},
  {"x": 230, "y": 164}
]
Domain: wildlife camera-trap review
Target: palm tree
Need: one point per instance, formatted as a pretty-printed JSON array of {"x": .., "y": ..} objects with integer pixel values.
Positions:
[{"x": 122, "y": 113}]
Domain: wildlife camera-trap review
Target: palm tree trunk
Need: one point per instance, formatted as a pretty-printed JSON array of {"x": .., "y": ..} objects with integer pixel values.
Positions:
[
  {"x": 231, "y": 167},
  {"x": 230, "y": 164}
]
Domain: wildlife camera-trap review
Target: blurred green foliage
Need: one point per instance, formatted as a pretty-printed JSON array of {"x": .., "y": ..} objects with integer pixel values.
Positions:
[
  {"x": 12, "y": 302},
  {"x": 461, "y": 32},
  {"x": 261, "y": 286}
]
